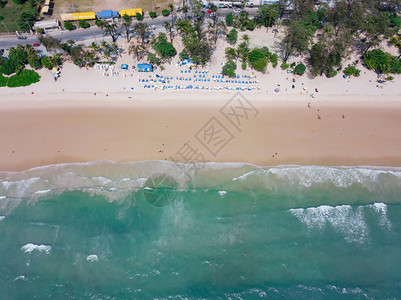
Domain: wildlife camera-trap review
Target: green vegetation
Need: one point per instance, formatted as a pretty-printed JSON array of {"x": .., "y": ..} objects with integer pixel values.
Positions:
[
  {"x": 352, "y": 70},
  {"x": 229, "y": 19},
  {"x": 3, "y": 80},
  {"x": 68, "y": 25},
  {"x": 382, "y": 62},
  {"x": 257, "y": 59},
  {"x": 232, "y": 36},
  {"x": 152, "y": 14},
  {"x": 83, "y": 24},
  {"x": 163, "y": 48},
  {"x": 300, "y": 69},
  {"x": 284, "y": 65},
  {"x": 25, "y": 78},
  {"x": 139, "y": 17},
  {"x": 165, "y": 12},
  {"x": 267, "y": 15},
  {"x": 229, "y": 69},
  {"x": 18, "y": 15},
  {"x": 153, "y": 59}
]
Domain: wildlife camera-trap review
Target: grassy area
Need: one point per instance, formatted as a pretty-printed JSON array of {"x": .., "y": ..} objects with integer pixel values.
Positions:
[
  {"x": 3, "y": 80},
  {"x": 11, "y": 13},
  {"x": 25, "y": 78}
]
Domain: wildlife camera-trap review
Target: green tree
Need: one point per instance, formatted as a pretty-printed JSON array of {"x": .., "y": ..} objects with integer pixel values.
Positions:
[
  {"x": 232, "y": 36},
  {"x": 257, "y": 59},
  {"x": 267, "y": 14},
  {"x": 152, "y": 14},
  {"x": 126, "y": 24},
  {"x": 229, "y": 19},
  {"x": 153, "y": 59},
  {"x": 33, "y": 57},
  {"x": 83, "y": 24},
  {"x": 183, "y": 55},
  {"x": 138, "y": 50},
  {"x": 141, "y": 29},
  {"x": 68, "y": 25},
  {"x": 296, "y": 40},
  {"x": 231, "y": 53},
  {"x": 185, "y": 10},
  {"x": 139, "y": 17},
  {"x": 229, "y": 69},
  {"x": 169, "y": 28},
  {"x": 165, "y": 12},
  {"x": 27, "y": 18},
  {"x": 300, "y": 69},
  {"x": 109, "y": 29},
  {"x": 50, "y": 43},
  {"x": 163, "y": 48}
]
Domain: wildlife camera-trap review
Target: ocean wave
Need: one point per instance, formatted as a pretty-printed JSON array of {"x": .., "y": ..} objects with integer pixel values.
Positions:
[
  {"x": 28, "y": 248},
  {"x": 345, "y": 219},
  {"x": 114, "y": 180}
]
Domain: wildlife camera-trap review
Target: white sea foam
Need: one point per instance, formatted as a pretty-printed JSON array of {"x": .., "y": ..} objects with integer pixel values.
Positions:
[
  {"x": 43, "y": 192},
  {"x": 381, "y": 210},
  {"x": 344, "y": 219},
  {"x": 92, "y": 257},
  {"x": 21, "y": 277},
  {"x": 339, "y": 176},
  {"x": 2, "y": 218},
  {"x": 31, "y": 247},
  {"x": 2, "y": 197},
  {"x": 222, "y": 193},
  {"x": 244, "y": 176}
]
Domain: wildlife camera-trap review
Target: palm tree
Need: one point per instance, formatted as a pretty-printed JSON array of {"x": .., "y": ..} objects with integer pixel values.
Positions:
[
  {"x": 138, "y": 50},
  {"x": 171, "y": 7},
  {"x": 185, "y": 10},
  {"x": 169, "y": 28},
  {"x": 246, "y": 39},
  {"x": 127, "y": 26}
]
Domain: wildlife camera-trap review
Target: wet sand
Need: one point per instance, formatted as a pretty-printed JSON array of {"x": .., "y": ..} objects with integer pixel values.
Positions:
[{"x": 329, "y": 132}]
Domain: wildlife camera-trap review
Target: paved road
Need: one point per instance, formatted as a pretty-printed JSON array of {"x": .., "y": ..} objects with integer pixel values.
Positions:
[{"x": 91, "y": 33}]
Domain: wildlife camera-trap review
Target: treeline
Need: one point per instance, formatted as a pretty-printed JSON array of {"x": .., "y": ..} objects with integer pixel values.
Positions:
[{"x": 327, "y": 36}]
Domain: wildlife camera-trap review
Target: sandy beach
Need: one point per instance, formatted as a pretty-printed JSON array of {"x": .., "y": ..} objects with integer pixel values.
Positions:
[
  {"x": 122, "y": 115},
  {"x": 330, "y": 132}
]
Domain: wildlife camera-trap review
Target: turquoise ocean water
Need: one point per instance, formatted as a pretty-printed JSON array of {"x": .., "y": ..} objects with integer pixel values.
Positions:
[{"x": 149, "y": 230}]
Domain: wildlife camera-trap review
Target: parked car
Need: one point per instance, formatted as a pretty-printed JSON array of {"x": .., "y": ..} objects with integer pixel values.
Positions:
[
  {"x": 36, "y": 45},
  {"x": 21, "y": 37}
]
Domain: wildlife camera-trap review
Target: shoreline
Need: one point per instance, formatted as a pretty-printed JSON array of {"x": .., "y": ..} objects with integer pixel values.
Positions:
[{"x": 68, "y": 128}]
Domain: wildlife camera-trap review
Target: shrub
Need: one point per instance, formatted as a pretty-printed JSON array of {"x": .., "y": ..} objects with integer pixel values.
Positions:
[
  {"x": 229, "y": 69},
  {"x": 99, "y": 23},
  {"x": 183, "y": 54},
  {"x": 382, "y": 62},
  {"x": 25, "y": 78},
  {"x": 229, "y": 19},
  {"x": 152, "y": 14},
  {"x": 331, "y": 73},
  {"x": 274, "y": 59},
  {"x": 232, "y": 36},
  {"x": 257, "y": 59},
  {"x": 389, "y": 78},
  {"x": 243, "y": 65},
  {"x": 8, "y": 67},
  {"x": 300, "y": 69},
  {"x": 165, "y": 12},
  {"x": 68, "y": 25},
  {"x": 250, "y": 25},
  {"x": 351, "y": 70},
  {"x": 284, "y": 65},
  {"x": 3, "y": 80},
  {"x": 83, "y": 24},
  {"x": 139, "y": 16}
]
